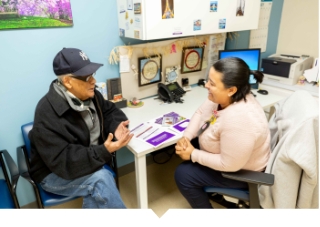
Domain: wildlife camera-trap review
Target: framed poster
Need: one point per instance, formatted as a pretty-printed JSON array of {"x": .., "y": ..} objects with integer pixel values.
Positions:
[
  {"x": 16, "y": 14},
  {"x": 137, "y": 8},
  {"x": 149, "y": 70},
  {"x": 191, "y": 60}
]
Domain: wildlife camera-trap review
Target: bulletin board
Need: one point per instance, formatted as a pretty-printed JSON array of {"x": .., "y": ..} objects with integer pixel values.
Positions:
[{"x": 171, "y": 52}]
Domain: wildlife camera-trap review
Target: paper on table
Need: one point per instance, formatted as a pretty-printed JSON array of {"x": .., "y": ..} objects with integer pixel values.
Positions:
[
  {"x": 143, "y": 132},
  {"x": 153, "y": 134},
  {"x": 141, "y": 129},
  {"x": 160, "y": 138},
  {"x": 180, "y": 126},
  {"x": 156, "y": 132},
  {"x": 167, "y": 121}
]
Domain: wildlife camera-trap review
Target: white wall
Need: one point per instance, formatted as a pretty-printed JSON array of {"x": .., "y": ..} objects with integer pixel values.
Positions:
[{"x": 299, "y": 28}]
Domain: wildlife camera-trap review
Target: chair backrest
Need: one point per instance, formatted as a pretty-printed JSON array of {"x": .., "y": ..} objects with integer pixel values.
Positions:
[
  {"x": 44, "y": 199},
  {"x": 25, "y": 131},
  {"x": 294, "y": 131},
  {"x": 9, "y": 183}
]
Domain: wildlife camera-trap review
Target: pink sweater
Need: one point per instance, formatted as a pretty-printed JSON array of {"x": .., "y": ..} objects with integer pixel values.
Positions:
[{"x": 239, "y": 139}]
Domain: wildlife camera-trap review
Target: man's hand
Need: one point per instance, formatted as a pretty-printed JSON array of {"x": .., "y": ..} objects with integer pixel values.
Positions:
[
  {"x": 184, "y": 148},
  {"x": 123, "y": 138},
  {"x": 122, "y": 129}
]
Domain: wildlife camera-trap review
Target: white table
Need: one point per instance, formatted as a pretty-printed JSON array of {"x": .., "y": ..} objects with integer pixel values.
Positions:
[{"x": 154, "y": 108}]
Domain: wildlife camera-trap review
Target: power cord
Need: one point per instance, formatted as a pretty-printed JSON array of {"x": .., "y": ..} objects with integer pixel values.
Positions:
[{"x": 164, "y": 155}]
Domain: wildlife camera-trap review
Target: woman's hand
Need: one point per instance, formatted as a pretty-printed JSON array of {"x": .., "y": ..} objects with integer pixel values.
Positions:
[{"x": 184, "y": 148}]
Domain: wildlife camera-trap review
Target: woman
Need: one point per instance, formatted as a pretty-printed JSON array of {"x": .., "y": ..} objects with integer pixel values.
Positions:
[{"x": 232, "y": 131}]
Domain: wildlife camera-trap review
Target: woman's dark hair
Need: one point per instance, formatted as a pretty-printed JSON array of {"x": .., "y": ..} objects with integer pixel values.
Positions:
[{"x": 236, "y": 73}]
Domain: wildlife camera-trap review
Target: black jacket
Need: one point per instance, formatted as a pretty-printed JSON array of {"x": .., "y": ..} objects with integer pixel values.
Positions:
[{"x": 60, "y": 139}]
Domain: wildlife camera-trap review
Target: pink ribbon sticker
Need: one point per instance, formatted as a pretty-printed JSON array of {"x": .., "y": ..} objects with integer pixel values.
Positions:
[{"x": 173, "y": 49}]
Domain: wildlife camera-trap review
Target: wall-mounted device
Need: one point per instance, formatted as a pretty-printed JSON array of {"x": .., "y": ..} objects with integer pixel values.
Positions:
[{"x": 285, "y": 68}]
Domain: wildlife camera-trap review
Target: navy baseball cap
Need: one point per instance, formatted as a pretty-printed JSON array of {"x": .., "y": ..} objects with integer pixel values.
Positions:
[{"x": 74, "y": 61}]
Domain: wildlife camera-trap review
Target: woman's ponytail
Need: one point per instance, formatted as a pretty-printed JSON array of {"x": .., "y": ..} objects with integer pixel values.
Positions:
[{"x": 257, "y": 75}]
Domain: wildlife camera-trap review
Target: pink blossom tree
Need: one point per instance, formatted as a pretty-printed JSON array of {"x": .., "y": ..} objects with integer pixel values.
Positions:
[{"x": 58, "y": 9}]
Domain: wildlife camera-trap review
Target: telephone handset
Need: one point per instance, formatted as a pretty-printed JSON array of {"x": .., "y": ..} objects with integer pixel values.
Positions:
[{"x": 170, "y": 92}]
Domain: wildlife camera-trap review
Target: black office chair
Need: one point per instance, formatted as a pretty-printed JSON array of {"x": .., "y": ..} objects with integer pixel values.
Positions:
[
  {"x": 44, "y": 198},
  {"x": 8, "y": 185},
  {"x": 253, "y": 179},
  {"x": 246, "y": 198},
  {"x": 289, "y": 117}
]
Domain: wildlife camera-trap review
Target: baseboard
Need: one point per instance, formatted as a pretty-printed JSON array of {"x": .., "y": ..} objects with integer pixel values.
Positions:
[
  {"x": 73, "y": 204},
  {"x": 32, "y": 205}
]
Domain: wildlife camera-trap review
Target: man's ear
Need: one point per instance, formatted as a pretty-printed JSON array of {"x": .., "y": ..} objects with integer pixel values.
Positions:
[
  {"x": 66, "y": 82},
  {"x": 232, "y": 91}
]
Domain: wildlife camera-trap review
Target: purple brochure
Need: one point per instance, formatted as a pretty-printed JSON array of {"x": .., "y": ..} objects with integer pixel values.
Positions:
[
  {"x": 181, "y": 126},
  {"x": 160, "y": 138}
]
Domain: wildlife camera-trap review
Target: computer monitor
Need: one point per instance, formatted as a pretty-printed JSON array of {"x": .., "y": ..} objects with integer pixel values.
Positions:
[{"x": 250, "y": 56}]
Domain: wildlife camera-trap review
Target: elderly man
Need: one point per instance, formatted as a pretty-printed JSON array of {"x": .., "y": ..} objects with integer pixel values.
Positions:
[{"x": 74, "y": 134}]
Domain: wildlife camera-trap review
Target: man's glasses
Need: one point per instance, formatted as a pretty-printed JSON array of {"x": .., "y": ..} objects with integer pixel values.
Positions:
[{"x": 84, "y": 78}]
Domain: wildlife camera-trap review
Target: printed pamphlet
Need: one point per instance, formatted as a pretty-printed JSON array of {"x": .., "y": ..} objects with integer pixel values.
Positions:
[{"x": 158, "y": 131}]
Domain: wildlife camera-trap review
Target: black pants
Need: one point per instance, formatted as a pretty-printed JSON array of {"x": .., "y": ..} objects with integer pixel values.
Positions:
[{"x": 192, "y": 177}]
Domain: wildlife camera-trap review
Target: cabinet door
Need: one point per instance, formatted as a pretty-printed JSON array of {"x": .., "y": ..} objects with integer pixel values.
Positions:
[{"x": 160, "y": 19}]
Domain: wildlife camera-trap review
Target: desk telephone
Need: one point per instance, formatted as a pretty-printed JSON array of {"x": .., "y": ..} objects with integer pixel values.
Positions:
[{"x": 170, "y": 92}]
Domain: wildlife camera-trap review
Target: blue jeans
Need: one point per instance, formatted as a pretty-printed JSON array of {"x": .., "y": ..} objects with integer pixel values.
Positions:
[{"x": 98, "y": 189}]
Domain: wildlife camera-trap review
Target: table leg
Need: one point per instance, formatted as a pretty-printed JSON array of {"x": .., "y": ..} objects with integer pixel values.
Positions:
[{"x": 141, "y": 181}]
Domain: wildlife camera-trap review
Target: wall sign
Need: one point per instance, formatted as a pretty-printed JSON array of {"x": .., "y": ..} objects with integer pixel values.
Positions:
[
  {"x": 149, "y": 70},
  {"x": 191, "y": 59},
  {"x": 35, "y": 14}
]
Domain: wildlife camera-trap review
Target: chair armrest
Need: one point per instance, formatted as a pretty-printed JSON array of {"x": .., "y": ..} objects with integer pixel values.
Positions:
[
  {"x": 14, "y": 172},
  {"x": 12, "y": 166},
  {"x": 249, "y": 176},
  {"x": 23, "y": 164},
  {"x": 9, "y": 165}
]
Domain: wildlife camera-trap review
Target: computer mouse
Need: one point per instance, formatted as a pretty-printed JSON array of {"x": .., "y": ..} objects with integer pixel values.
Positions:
[{"x": 263, "y": 92}]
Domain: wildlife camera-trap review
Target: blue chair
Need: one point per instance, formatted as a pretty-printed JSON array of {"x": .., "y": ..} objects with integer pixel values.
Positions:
[
  {"x": 8, "y": 185},
  {"x": 44, "y": 198}
]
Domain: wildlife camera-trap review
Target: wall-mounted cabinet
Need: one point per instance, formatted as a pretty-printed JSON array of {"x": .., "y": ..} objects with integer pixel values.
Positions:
[{"x": 161, "y": 19}]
